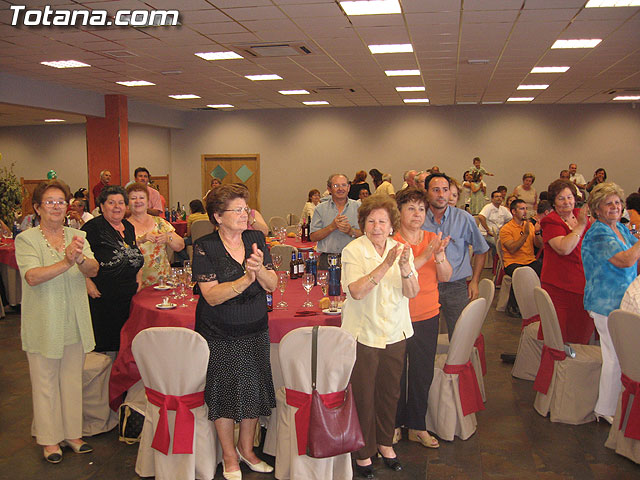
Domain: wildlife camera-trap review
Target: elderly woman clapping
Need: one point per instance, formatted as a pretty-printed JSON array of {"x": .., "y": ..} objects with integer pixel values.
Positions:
[
  {"x": 379, "y": 278},
  {"x": 610, "y": 257},
  {"x": 56, "y": 325}
]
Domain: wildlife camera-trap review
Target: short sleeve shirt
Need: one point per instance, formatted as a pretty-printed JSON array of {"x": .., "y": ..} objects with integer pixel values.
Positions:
[
  {"x": 385, "y": 188},
  {"x": 323, "y": 215},
  {"x": 496, "y": 216},
  {"x": 512, "y": 232}
]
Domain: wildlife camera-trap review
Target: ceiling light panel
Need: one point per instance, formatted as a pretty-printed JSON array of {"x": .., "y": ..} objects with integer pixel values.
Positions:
[
  {"x": 549, "y": 69},
  {"x": 65, "y": 64},
  {"x": 374, "y": 7},
  {"x": 409, "y": 89},
  {"x": 136, "y": 83},
  {"x": 317, "y": 102},
  {"x": 391, "y": 48},
  {"x": 218, "y": 55},
  {"x": 221, "y": 105},
  {"x": 401, "y": 73},
  {"x": 257, "y": 78},
  {"x": 293, "y": 92},
  {"x": 532, "y": 87},
  {"x": 627, "y": 97},
  {"x": 416, "y": 100},
  {"x": 612, "y": 3},
  {"x": 58, "y": 120},
  {"x": 520, "y": 99},
  {"x": 577, "y": 43},
  {"x": 186, "y": 96}
]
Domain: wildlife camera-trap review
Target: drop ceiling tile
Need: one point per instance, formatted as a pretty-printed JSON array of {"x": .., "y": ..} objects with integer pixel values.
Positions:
[{"x": 254, "y": 13}]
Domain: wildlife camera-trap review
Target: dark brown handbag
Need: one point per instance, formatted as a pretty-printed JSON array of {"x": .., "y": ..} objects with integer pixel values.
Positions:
[{"x": 332, "y": 431}]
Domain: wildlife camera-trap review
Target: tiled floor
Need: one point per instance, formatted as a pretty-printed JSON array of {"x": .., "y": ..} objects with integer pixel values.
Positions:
[{"x": 512, "y": 440}]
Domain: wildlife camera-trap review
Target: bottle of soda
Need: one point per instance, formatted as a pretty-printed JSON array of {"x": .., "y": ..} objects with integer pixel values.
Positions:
[
  {"x": 300, "y": 264},
  {"x": 335, "y": 272},
  {"x": 312, "y": 267},
  {"x": 293, "y": 267}
]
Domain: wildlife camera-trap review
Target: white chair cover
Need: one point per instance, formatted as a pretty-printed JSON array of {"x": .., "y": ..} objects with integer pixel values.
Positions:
[
  {"x": 277, "y": 222},
  {"x": 444, "y": 413},
  {"x": 173, "y": 361},
  {"x": 200, "y": 228},
  {"x": 292, "y": 229},
  {"x": 271, "y": 422},
  {"x": 505, "y": 286},
  {"x": 625, "y": 334},
  {"x": 336, "y": 357},
  {"x": 573, "y": 391},
  {"x": 525, "y": 279},
  {"x": 97, "y": 417},
  {"x": 293, "y": 219},
  {"x": 285, "y": 252}
]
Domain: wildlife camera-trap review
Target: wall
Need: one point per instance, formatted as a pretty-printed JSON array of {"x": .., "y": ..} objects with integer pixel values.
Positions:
[{"x": 300, "y": 148}]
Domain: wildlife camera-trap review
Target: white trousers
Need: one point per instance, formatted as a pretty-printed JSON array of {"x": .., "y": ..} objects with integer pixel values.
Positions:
[
  {"x": 610, "y": 383},
  {"x": 56, "y": 386}
]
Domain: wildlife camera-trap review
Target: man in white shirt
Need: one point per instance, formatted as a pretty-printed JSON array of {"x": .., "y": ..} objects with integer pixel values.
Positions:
[
  {"x": 578, "y": 180},
  {"x": 631, "y": 300},
  {"x": 409, "y": 176},
  {"x": 78, "y": 215},
  {"x": 492, "y": 218}
]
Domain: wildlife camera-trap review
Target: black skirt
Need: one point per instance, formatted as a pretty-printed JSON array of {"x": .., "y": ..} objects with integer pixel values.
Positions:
[{"x": 239, "y": 383}]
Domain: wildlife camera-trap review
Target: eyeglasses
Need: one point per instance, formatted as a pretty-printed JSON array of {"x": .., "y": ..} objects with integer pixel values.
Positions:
[
  {"x": 238, "y": 210},
  {"x": 55, "y": 203},
  {"x": 340, "y": 185}
]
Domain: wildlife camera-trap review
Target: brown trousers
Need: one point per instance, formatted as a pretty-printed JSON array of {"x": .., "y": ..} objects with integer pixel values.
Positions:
[{"x": 375, "y": 382}]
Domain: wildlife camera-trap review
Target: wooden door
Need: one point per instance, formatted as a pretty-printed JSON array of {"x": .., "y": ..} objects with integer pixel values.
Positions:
[
  {"x": 28, "y": 186},
  {"x": 161, "y": 183},
  {"x": 242, "y": 168}
]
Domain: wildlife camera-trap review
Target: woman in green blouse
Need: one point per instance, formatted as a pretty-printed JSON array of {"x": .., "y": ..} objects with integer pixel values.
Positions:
[{"x": 56, "y": 325}]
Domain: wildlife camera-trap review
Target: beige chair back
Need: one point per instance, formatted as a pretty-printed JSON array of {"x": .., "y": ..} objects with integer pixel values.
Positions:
[
  {"x": 292, "y": 219},
  {"x": 625, "y": 333},
  {"x": 467, "y": 330},
  {"x": 285, "y": 252},
  {"x": 549, "y": 319},
  {"x": 200, "y": 228},
  {"x": 292, "y": 229},
  {"x": 277, "y": 222},
  {"x": 524, "y": 280},
  {"x": 486, "y": 290}
]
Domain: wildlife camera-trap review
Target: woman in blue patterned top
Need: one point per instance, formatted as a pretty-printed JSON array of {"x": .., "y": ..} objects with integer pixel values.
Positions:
[{"x": 610, "y": 258}]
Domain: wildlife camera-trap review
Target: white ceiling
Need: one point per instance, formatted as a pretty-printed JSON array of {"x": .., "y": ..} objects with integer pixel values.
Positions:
[{"x": 513, "y": 35}]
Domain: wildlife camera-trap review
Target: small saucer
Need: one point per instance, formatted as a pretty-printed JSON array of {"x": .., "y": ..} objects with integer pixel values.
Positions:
[
  {"x": 166, "y": 306},
  {"x": 327, "y": 311},
  {"x": 162, "y": 287}
]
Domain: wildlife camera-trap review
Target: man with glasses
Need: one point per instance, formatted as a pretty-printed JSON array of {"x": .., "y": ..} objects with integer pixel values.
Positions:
[{"x": 335, "y": 222}]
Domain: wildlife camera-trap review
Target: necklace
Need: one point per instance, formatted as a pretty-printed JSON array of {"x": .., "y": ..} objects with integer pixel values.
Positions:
[
  {"x": 229, "y": 248},
  {"x": 51, "y": 249}
]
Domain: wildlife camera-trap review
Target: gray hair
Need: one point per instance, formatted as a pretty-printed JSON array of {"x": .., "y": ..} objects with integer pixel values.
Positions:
[
  {"x": 331, "y": 177},
  {"x": 600, "y": 192}
]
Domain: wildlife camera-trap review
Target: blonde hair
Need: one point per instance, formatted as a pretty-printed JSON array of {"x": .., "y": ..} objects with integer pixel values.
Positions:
[{"x": 600, "y": 192}]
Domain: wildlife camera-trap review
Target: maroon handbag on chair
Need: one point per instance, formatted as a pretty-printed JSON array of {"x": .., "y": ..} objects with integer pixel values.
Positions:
[{"x": 332, "y": 430}]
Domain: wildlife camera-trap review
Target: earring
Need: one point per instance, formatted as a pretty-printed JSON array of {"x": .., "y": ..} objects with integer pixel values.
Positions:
[{"x": 391, "y": 233}]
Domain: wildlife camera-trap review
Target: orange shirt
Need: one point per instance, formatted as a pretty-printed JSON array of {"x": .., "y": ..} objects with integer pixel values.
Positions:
[
  {"x": 512, "y": 232},
  {"x": 426, "y": 304}
]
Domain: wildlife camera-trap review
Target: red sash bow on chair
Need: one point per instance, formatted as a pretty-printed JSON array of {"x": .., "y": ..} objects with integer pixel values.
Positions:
[
  {"x": 479, "y": 344},
  {"x": 302, "y": 401},
  {"x": 184, "y": 424},
  {"x": 528, "y": 321},
  {"x": 631, "y": 387},
  {"x": 545, "y": 371},
  {"x": 470, "y": 396}
]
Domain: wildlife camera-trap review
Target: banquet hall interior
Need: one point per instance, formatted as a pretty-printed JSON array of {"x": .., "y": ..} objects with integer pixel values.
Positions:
[{"x": 467, "y": 78}]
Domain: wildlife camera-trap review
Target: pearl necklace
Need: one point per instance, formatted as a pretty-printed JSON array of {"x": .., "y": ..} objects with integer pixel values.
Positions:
[{"x": 51, "y": 249}]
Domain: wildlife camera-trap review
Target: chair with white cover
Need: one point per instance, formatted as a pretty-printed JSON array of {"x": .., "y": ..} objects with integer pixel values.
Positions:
[
  {"x": 455, "y": 396},
  {"x": 292, "y": 229},
  {"x": 200, "y": 228},
  {"x": 285, "y": 252},
  {"x": 293, "y": 219},
  {"x": 336, "y": 357},
  {"x": 525, "y": 279},
  {"x": 505, "y": 285},
  {"x": 97, "y": 417},
  {"x": 566, "y": 387},
  {"x": 175, "y": 443},
  {"x": 624, "y": 435},
  {"x": 277, "y": 222}
]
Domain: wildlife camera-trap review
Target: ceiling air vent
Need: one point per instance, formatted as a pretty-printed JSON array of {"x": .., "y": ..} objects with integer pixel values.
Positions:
[
  {"x": 120, "y": 53},
  {"x": 333, "y": 90},
  {"x": 282, "y": 49}
]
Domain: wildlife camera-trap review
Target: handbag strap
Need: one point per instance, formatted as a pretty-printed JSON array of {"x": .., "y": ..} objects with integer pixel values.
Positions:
[{"x": 314, "y": 356}]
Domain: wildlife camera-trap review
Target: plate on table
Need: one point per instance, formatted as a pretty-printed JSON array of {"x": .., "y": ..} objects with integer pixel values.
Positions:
[
  {"x": 162, "y": 287},
  {"x": 166, "y": 306},
  {"x": 327, "y": 311}
]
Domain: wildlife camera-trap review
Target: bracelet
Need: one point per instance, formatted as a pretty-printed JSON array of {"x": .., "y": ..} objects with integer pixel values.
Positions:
[
  {"x": 409, "y": 275},
  {"x": 84, "y": 258},
  {"x": 573, "y": 233},
  {"x": 233, "y": 287},
  {"x": 372, "y": 280},
  {"x": 439, "y": 262}
]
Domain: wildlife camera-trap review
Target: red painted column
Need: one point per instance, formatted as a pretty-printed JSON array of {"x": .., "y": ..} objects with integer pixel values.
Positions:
[{"x": 108, "y": 143}]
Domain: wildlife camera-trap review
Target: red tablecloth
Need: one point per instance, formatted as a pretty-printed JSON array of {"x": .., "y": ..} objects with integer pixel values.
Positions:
[
  {"x": 295, "y": 242},
  {"x": 180, "y": 226},
  {"x": 8, "y": 253},
  {"x": 144, "y": 314}
]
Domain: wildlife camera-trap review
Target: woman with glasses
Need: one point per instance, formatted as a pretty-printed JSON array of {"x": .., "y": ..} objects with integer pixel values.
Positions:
[
  {"x": 56, "y": 324},
  {"x": 153, "y": 235},
  {"x": 233, "y": 269},
  {"x": 113, "y": 240}
]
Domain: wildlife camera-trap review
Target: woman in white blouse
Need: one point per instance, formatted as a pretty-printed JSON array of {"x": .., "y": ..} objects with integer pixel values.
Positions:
[
  {"x": 378, "y": 277},
  {"x": 313, "y": 199}
]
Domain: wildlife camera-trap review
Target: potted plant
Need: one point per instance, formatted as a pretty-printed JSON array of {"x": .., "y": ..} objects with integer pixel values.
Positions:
[{"x": 10, "y": 195}]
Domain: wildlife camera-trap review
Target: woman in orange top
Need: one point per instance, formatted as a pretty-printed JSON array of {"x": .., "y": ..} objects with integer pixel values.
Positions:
[{"x": 432, "y": 267}]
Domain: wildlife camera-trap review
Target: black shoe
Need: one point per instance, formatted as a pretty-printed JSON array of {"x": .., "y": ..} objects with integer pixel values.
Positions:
[
  {"x": 392, "y": 463},
  {"x": 513, "y": 312},
  {"x": 366, "y": 471},
  {"x": 508, "y": 357}
]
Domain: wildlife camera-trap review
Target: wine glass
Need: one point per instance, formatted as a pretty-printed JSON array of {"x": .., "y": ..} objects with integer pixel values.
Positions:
[
  {"x": 323, "y": 281},
  {"x": 190, "y": 281},
  {"x": 187, "y": 264},
  {"x": 277, "y": 261},
  {"x": 174, "y": 280},
  {"x": 308, "y": 280},
  {"x": 282, "y": 285}
]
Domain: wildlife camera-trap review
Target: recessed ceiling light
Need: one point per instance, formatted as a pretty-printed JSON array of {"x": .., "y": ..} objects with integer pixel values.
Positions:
[
  {"x": 416, "y": 100},
  {"x": 492, "y": 103},
  {"x": 520, "y": 99},
  {"x": 532, "y": 87},
  {"x": 54, "y": 120},
  {"x": 136, "y": 83},
  {"x": 374, "y": 7},
  {"x": 466, "y": 103},
  {"x": 293, "y": 92},
  {"x": 409, "y": 89},
  {"x": 400, "y": 73},
  {"x": 627, "y": 97},
  {"x": 65, "y": 64},
  {"x": 392, "y": 48},
  {"x": 221, "y": 105},
  {"x": 263, "y": 77},
  {"x": 218, "y": 55},
  {"x": 577, "y": 43},
  {"x": 549, "y": 69},
  {"x": 186, "y": 96},
  {"x": 317, "y": 102},
  {"x": 612, "y": 3},
  {"x": 478, "y": 61}
]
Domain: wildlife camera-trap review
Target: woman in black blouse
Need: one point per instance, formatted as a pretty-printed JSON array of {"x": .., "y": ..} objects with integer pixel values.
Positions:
[
  {"x": 113, "y": 241},
  {"x": 230, "y": 266}
]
